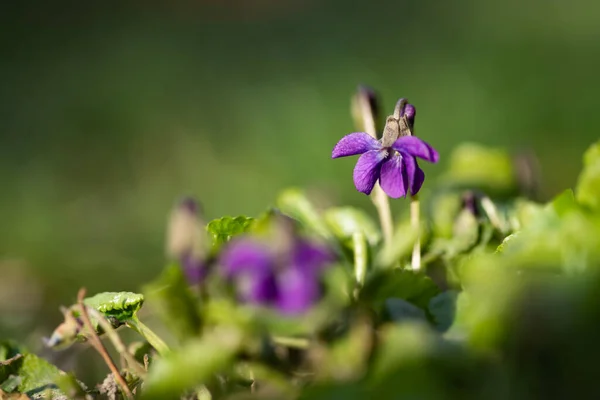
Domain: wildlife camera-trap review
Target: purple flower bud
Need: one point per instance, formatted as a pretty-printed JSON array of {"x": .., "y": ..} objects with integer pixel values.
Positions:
[
  {"x": 469, "y": 202},
  {"x": 410, "y": 112},
  {"x": 186, "y": 239}
]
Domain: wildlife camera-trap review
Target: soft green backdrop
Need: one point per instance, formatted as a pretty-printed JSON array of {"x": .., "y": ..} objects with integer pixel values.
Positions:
[{"x": 109, "y": 113}]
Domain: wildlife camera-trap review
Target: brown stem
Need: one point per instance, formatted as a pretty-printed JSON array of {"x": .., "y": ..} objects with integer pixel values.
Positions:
[
  {"x": 114, "y": 337},
  {"x": 97, "y": 344}
]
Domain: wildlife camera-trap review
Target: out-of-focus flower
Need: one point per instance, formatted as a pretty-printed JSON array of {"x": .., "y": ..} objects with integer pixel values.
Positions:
[
  {"x": 394, "y": 165},
  {"x": 286, "y": 277},
  {"x": 186, "y": 240}
]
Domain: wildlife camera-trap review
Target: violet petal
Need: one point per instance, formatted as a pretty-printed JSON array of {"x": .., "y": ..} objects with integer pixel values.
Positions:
[
  {"x": 354, "y": 143},
  {"x": 366, "y": 171},
  {"x": 310, "y": 256},
  {"x": 245, "y": 255},
  {"x": 416, "y": 147},
  {"x": 299, "y": 290},
  {"x": 418, "y": 179},
  {"x": 258, "y": 288},
  {"x": 393, "y": 178}
]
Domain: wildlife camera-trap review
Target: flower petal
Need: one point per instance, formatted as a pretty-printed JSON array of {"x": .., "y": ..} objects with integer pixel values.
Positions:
[
  {"x": 410, "y": 163},
  {"x": 366, "y": 171},
  {"x": 310, "y": 256},
  {"x": 245, "y": 255},
  {"x": 194, "y": 268},
  {"x": 413, "y": 173},
  {"x": 418, "y": 179},
  {"x": 394, "y": 180},
  {"x": 355, "y": 143},
  {"x": 416, "y": 147},
  {"x": 258, "y": 288},
  {"x": 298, "y": 291}
]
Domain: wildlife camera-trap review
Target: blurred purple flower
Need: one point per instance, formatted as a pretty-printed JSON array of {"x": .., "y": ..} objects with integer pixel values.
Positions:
[
  {"x": 287, "y": 281},
  {"x": 194, "y": 268},
  {"x": 394, "y": 166},
  {"x": 186, "y": 240}
]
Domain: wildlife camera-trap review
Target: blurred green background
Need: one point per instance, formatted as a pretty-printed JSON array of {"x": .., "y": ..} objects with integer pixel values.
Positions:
[{"x": 111, "y": 112}]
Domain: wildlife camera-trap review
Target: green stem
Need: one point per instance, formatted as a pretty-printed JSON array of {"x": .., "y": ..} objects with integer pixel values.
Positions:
[
  {"x": 297, "y": 343},
  {"x": 152, "y": 338},
  {"x": 414, "y": 221},
  {"x": 360, "y": 257}
]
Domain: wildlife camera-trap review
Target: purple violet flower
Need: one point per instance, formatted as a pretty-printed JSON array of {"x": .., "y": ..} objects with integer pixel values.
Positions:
[
  {"x": 288, "y": 281},
  {"x": 391, "y": 160}
]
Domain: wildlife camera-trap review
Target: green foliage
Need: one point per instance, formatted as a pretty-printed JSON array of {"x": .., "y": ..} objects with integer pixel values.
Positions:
[
  {"x": 173, "y": 299},
  {"x": 588, "y": 187},
  {"x": 223, "y": 229},
  {"x": 293, "y": 202},
  {"x": 29, "y": 374},
  {"x": 505, "y": 303},
  {"x": 193, "y": 364},
  {"x": 345, "y": 221},
  {"x": 415, "y": 288},
  {"x": 466, "y": 169},
  {"x": 122, "y": 306}
]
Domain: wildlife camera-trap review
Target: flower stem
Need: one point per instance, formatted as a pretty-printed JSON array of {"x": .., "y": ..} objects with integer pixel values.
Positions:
[
  {"x": 365, "y": 119},
  {"x": 414, "y": 221},
  {"x": 113, "y": 336},
  {"x": 152, "y": 338},
  {"x": 359, "y": 243},
  {"x": 97, "y": 344}
]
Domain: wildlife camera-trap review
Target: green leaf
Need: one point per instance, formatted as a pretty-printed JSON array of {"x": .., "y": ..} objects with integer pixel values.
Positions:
[
  {"x": 30, "y": 373},
  {"x": 564, "y": 202},
  {"x": 399, "y": 310},
  {"x": 588, "y": 186},
  {"x": 506, "y": 241},
  {"x": 465, "y": 233},
  {"x": 223, "y": 229},
  {"x": 10, "y": 384},
  {"x": 443, "y": 309},
  {"x": 10, "y": 366},
  {"x": 400, "y": 246},
  {"x": 8, "y": 349},
  {"x": 345, "y": 358},
  {"x": 171, "y": 296},
  {"x": 345, "y": 221},
  {"x": 294, "y": 203},
  {"x": 193, "y": 364},
  {"x": 415, "y": 288},
  {"x": 489, "y": 169},
  {"x": 119, "y": 305}
]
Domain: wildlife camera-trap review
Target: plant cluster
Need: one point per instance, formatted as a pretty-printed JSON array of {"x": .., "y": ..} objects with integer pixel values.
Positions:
[{"x": 477, "y": 291}]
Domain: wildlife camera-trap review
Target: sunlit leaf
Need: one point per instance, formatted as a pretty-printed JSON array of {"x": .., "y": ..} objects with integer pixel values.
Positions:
[
  {"x": 193, "y": 364},
  {"x": 345, "y": 221},
  {"x": 120, "y": 305},
  {"x": 223, "y": 229},
  {"x": 489, "y": 169},
  {"x": 293, "y": 202},
  {"x": 400, "y": 246},
  {"x": 588, "y": 186}
]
